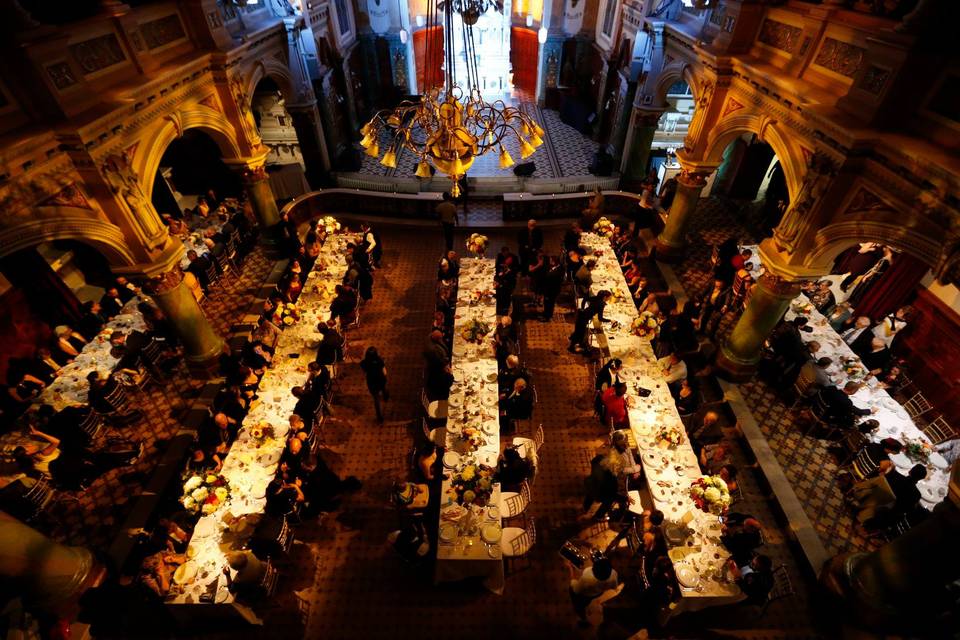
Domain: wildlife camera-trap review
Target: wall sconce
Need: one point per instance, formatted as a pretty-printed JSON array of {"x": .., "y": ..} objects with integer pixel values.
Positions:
[
  {"x": 529, "y": 19},
  {"x": 403, "y": 36},
  {"x": 421, "y": 21},
  {"x": 542, "y": 35}
]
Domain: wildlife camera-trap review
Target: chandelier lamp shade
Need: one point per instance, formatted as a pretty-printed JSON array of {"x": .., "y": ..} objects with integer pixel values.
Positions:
[{"x": 450, "y": 124}]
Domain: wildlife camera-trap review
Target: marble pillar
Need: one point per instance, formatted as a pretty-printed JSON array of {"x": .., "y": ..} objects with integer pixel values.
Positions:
[
  {"x": 49, "y": 576},
  {"x": 260, "y": 193},
  {"x": 740, "y": 353},
  {"x": 901, "y": 588},
  {"x": 672, "y": 240},
  {"x": 313, "y": 144},
  {"x": 202, "y": 346},
  {"x": 636, "y": 153}
]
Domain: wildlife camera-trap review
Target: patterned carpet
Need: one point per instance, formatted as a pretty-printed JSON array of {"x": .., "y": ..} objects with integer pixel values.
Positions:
[
  {"x": 566, "y": 152},
  {"x": 344, "y": 581},
  {"x": 804, "y": 460},
  {"x": 90, "y": 518}
]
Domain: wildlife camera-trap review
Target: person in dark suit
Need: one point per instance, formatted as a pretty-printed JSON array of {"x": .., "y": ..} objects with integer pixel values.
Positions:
[
  {"x": 330, "y": 349},
  {"x": 529, "y": 241},
  {"x": 714, "y": 303},
  {"x": 835, "y": 407},
  {"x": 551, "y": 284},
  {"x": 591, "y": 307},
  {"x": 92, "y": 320},
  {"x": 571, "y": 239},
  {"x": 741, "y": 536},
  {"x": 436, "y": 353},
  {"x": 111, "y": 303},
  {"x": 198, "y": 267},
  {"x": 877, "y": 358}
]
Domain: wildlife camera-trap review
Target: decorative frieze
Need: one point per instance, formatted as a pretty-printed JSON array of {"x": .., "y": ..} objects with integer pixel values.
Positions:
[
  {"x": 61, "y": 75},
  {"x": 98, "y": 53},
  {"x": 874, "y": 80},
  {"x": 69, "y": 196},
  {"x": 157, "y": 33},
  {"x": 840, "y": 57},
  {"x": 779, "y": 35}
]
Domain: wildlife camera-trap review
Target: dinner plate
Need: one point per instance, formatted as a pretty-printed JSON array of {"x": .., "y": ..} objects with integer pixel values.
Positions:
[
  {"x": 493, "y": 513},
  {"x": 491, "y": 400},
  {"x": 494, "y": 551},
  {"x": 652, "y": 458},
  {"x": 451, "y": 459},
  {"x": 448, "y": 532},
  {"x": 490, "y": 533},
  {"x": 492, "y": 376},
  {"x": 938, "y": 461},
  {"x": 929, "y": 493},
  {"x": 185, "y": 573},
  {"x": 686, "y": 576},
  {"x": 222, "y": 596}
]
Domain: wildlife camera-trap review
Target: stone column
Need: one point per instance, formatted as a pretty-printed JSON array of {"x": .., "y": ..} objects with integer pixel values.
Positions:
[
  {"x": 48, "y": 575},
  {"x": 253, "y": 171},
  {"x": 201, "y": 343},
  {"x": 901, "y": 588},
  {"x": 636, "y": 152},
  {"x": 313, "y": 143},
  {"x": 672, "y": 240},
  {"x": 739, "y": 355}
]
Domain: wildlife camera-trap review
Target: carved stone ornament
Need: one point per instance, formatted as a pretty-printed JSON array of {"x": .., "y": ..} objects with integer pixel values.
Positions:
[
  {"x": 778, "y": 286},
  {"x": 69, "y": 196},
  {"x": 165, "y": 282},
  {"x": 820, "y": 171},
  {"x": 779, "y": 35},
  {"x": 693, "y": 179},
  {"x": 948, "y": 266},
  {"x": 840, "y": 57},
  {"x": 125, "y": 183},
  {"x": 731, "y": 106},
  {"x": 251, "y": 175},
  {"x": 243, "y": 104}
]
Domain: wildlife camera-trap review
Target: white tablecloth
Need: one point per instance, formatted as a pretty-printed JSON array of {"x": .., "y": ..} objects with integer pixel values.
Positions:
[
  {"x": 474, "y": 402},
  {"x": 669, "y": 472},
  {"x": 71, "y": 386},
  {"x": 249, "y": 466},
  {"x": 894, "y": 420}
]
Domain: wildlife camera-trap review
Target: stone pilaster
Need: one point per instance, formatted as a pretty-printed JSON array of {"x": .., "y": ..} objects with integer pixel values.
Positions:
[
  {"x": 636, "y": 152},
  {"x": 739, "y": 355},
  {"x": 313, "y": 143},
  {"x": 673, "y": 238},
  {"x": 201, "y": 343}
]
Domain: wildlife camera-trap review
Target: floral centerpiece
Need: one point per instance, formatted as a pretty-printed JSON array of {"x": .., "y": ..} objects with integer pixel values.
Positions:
[
  {"x": 646, "y": 325},
  {"x": 669, "y": 436},
  {"x": 477, "y": 244},
  {"x": 205, "y": 493},
  {"x": 853, "y": 368},
  {"x": 261, "y": 433},
  {"x": 472, "y": 438},
  {"x": 918, "y": 451},
  {"x": 475, "y": 331},
  {"x": 604, "y": 227},
  {"x": 802, "y": 307},
  {"x": 481, "y": 294},
  {"x": 710, "y": 494},
  {"x": 286, "y": 314},
  {"x": 472, "y": 483},
  {"x": 330, "y": 224}
]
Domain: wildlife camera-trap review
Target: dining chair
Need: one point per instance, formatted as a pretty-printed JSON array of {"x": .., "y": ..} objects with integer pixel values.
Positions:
[
  {"x": 514, "y": 503},
  {"x": 782, "y": 588},
  {"x": 516, "y": 543},
  {"x": 270, "y": 578},
  {"x": 523, "y": 442},
  {"x": 917, "y": 405},
  {"x": 194, "y": 286},
  {"x": 939, "y": 431},
  {"x": 437, "y": 436}
]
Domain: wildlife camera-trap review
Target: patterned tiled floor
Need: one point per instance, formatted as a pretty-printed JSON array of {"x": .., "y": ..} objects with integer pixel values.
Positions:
[
  {"x": 804, "y": 460},
  {"x": 91, "y": 518},
  {"x": 346, "y": 582},
  {"x": 566, "y": 152}
]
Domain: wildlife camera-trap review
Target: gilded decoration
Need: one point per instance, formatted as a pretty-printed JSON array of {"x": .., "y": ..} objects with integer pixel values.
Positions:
[
  {"x": 125, "y": 183},
  {"x": 157, "y": 33},
  {"x": 778, "y": 286},
  {"x": 874, "y": 79},
  {"x": 165, "y": 282},
  {"x": 98, "y": 53},
  {"x": 840, "y": 57},
  {"x": 820, "y": 173},
  {"x": 779, "y": 35},
  {"x": 17, "y": 198},
  {"x": 69, "y": 196},
  {"x": 61, "y": 75},
  {"x": 865, "y": 201},
  {"x": 731, "y": 106}
]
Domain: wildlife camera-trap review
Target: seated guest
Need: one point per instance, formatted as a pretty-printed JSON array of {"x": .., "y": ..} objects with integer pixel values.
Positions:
[
  {"x": 906, "y": 497},
  {"x": 860, "y": 327},
  {"x": 741, "y": 536},
  {"x": 614, "y": 401},
  {"x": 813, "y": 376},
  {"x": 630, "y": 468},
  {"x": 92, "y": 320},
  {"x": 308, "y": 402},
  {"x": 284, "y": 495},
  {"x": 715, "y": 456},
  {"x": 834, "y": 406},
  {"x": 877, "y": 357},
  {"x": 755, "y": 579},
  {"x": 706, "y": 432},
  {"x": 111, "y": 303},
  {"x": 518, "y": 405},
  {"x": 199, "y": 267},
  {"x": 891, "y": 377},
  {"x": 318, "y": 379},
  {"x": 426, "y": 459},
  {"x": 256, "y": 356},
  {"x": 330, "y": 349},
  {"x": 592, "y": 583},
  {"x": 686, "y": 399},
  {"x": 822, "y": 297},
  {"x": 673, "y": 368},
  {"x": 344, "y": 305},
  {"x": 108, "y": 396},
  {"x": 266, "y": 333},
  {"x": 873, "y": 459},
  {"x": 436, "y": 353},
  {"x": 437, "y": 383},
  {"x": 838, "y": 316},
  {"x": 249, "y": 570},
  {"x": 231, "y": 401},
  {"x": 505, "y": 339},
  {"x": 511, "y": 373},
  {"x": 447, "y": 271},
  {"x": 888, "y": 328},
  {"x": 43, "y": 366},
  {"x": 513, "y": 470},
  {"x": 608, "y": 375},
  {"x": 156, "y": 572}
]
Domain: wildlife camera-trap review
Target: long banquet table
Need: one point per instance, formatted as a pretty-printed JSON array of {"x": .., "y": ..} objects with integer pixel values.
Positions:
[
  {"x": 250, "y": 466},
  {"x": 894, "y": 420},
  {"x": 473, "y": 402},
  {"x": 699, "y": 559}
]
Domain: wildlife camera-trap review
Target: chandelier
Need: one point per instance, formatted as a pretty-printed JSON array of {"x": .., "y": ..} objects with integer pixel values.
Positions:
[{"x": 450, "y": 125}]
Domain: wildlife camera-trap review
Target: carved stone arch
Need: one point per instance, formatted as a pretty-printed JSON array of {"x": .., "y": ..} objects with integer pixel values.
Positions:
[
  {"x": 889, "y": 228},
  {"x": 104, "y": 237},
  {"x": 278, "y": 72},
  {"x": 672, "y": 72},
  {"x": 788, "y": 152},
  {"x": 155, "y": 142}
]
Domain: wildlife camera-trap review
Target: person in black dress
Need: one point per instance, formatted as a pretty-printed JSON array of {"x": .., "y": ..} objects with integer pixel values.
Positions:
[
  {"x": 375, "y": 371},
  {"x": 592, "y": 307}
]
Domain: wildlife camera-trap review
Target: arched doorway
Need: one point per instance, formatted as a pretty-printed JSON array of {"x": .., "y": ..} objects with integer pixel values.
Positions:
[
  {"x": 672, "y": 129},
  {"x": 751, "y": 173},
  {"x": 190, "y": 167},
  {"x": 275, "y": 125}
]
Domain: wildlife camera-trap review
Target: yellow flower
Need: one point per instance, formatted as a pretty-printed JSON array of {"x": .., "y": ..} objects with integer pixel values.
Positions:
[
  {"x": 468, "y": 473},
  {"x": 469, "y": 496}
]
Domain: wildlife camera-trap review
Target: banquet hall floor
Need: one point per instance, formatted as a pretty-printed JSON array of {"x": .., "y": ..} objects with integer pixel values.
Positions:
[{"x": 344, "y": 581}]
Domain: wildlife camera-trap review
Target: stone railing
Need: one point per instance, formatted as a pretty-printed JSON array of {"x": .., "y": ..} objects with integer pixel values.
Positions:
[
  {"x": 363, "y": 202},
  {"x": 521, "y": 206}
]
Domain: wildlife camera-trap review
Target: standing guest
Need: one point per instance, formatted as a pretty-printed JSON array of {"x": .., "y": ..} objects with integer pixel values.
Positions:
[
  {"x": 591, "y": 307},
  {"x": 614, "y": 401},
  {"x": 529, "y": 241},
  {"x": 888, "y": 328},
  {"x": 571, "y": 238},
  {"x": 584, "y": 277},
  {"x": 375, "y": 371},
  {"x": 823, "y": 298},
  {"x": 714, "y": 303},
  {"x": 673, "y": 368},
  {"x": 858, "y": 263},
  {"x": 552, "y": 284},
  {"x": 667, "y": 192},
  {"x": 111, "y": 303},
  {"x": 536, "y": 270},
  {"x": 92, "y": 320},
  {"x": 447, "y": 212},
  {"x": 593, "y": 211},
  {"x": 374, "y": 247},
  {"x": 590, "y": 585}
]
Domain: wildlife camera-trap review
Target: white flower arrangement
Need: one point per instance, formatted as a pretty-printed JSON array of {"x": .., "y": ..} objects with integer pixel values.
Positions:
[
  {"x": 205, "y": 494},
  {"x": 330, "y": 224},
  {"x": 646, "y": 325},
  {"x": 710, "y": 494},
  {"x": 604, "y": 227},
  {"x": 477, "y": 244}
]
